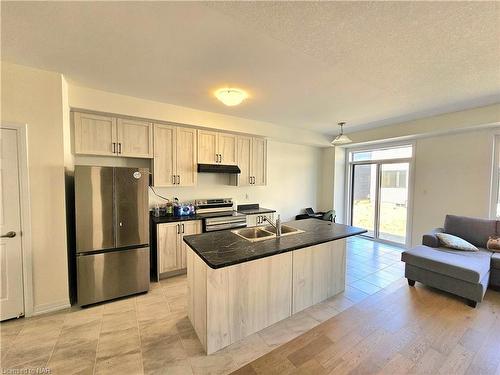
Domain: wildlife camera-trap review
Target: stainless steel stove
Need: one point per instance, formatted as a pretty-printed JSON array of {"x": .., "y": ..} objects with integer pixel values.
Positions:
[{"x": 218, "y": 214}]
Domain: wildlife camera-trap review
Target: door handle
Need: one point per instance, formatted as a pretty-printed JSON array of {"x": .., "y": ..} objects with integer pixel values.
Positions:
[
  {"x": 119, "y": 147},
  {"x": 173, "y": 179},
  {"x": 182, "y": 228},
  {"x": 216, "y": 158},
  {"x": 178, "y": 229},
  {"x": 220, "y": 156},
  {"x": 10, "y": 234},
  {"x": 178, "y": 179},
  {"x": 114, "y": 147}
]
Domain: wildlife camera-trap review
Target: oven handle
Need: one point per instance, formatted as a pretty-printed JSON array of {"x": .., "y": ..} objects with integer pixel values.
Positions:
[{"x": 211, "y": 228}]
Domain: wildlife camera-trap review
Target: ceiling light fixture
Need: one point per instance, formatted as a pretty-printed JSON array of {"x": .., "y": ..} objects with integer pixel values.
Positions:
[
  {"x": 230, "y": 96},
  {"x": 341, "y": 139}
]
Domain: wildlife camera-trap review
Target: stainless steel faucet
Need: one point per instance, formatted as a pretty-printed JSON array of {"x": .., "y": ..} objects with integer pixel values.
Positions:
[{"x": 276, "y": 225}]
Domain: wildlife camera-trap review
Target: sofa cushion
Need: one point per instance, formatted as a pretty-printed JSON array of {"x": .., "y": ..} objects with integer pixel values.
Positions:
[
  {"x": 462, "y": 265},
  {"x": 495, "y": 261},
  {"x": 453, "y": 242},
  {"x": 476, "y": 231}
]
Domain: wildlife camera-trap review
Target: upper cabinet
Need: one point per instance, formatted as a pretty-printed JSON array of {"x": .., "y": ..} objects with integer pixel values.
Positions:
[
  {"x": 252, "y": 161},
  {"x": 174, "y": 162},
  {"x": 217, "y": 148},
  {"x": 95, "y": 134},
  {"x": 109, "y": 136},
  {"x": 135, "y": 138}
]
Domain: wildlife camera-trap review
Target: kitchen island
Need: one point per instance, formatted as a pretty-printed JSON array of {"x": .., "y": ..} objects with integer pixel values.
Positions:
[{"x": 238, "y": 287}]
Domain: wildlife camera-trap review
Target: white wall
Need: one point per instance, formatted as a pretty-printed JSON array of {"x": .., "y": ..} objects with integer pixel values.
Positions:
[
  {"x": 452, "y": 176},
  {"x": 292, "y": 181},
  {"x": 35, "y": 97}
]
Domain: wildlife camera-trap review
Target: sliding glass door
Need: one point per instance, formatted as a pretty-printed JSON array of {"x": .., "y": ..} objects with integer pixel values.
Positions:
[
  {"x": 364, "y": 190},
  {"x": 380, "y": 193}
]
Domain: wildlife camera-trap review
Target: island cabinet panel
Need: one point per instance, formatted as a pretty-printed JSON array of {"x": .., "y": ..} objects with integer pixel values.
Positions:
[
  {"x": 318, "y": 273},
  {"x": 240, "y": 299},
  {"x": 197, "y": 295}
]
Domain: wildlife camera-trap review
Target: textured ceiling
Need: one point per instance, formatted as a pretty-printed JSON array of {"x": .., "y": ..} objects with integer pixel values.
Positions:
[{"x": 305, "y": 64}]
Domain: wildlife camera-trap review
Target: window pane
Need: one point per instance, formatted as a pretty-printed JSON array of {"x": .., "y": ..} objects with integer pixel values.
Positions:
[{"x": 381, "y": 154}]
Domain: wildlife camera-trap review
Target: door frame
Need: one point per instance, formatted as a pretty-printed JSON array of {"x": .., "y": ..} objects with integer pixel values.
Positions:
[
  {"x": 25, "y": 205},
  {"x": 349, "y": 184}
]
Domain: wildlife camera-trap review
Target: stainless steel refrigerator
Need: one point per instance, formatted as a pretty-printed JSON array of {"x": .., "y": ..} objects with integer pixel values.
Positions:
[{"x": 112, "y": 232}]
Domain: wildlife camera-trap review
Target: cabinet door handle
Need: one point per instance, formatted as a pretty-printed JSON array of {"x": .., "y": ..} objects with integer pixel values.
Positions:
[
  {"x": 114, "y": 147},
  {"x": 173, "y": 179},
  {"x": 119, "y": 147},
  {"x": 220, "y": 158},
  {"x": 178, "y": 179},
  {"x": 182, "y": 228}
]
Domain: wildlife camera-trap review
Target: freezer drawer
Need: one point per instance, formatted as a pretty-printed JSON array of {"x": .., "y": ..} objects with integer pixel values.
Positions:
[{"x": 113, "y": 274}]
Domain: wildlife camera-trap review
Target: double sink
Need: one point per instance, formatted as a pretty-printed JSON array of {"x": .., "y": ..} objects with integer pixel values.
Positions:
[{"x": 264, "y": 233}]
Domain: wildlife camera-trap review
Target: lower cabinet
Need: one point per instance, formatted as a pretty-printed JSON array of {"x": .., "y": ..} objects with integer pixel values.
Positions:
[
  {"x": 255, "y": 220},
  {"x": 170, "y": 246}
]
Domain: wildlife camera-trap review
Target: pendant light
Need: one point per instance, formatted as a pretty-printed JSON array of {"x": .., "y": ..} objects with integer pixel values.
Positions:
[{"x": 341, "y": 139}]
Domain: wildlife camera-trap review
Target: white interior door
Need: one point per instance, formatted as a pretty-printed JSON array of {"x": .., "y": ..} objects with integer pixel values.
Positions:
[{"x": 11, "y": 263}]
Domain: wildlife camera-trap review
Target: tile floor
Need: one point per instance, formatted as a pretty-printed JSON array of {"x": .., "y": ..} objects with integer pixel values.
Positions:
[{"x": 151, "y": 334}]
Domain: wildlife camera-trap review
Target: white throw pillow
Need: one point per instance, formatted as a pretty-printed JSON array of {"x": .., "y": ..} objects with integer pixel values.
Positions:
[{"x": 454, "y": 242}]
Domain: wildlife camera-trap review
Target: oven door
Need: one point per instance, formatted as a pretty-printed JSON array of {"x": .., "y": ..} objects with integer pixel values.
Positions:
[{"x": 222, "y": 223}]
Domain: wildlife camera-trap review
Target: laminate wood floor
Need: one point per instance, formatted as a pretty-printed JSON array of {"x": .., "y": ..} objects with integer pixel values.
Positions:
[
  {"x": 398, "y": 330},
  {"x": 378, "y": 324}
]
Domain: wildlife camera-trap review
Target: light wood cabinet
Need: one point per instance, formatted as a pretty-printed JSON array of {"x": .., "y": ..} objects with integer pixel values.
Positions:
[
  {"x": 256, "y": 220},
  {"x": 167, "y": 246},
  {"x": 245, "y": 160},
  {"x": 94, "y": 134},
  {"x": 135, "y": 138},
  {"x": 187, "y": 168},
  {"x": 174, "y": 162},
  {"x": 217, "y": 148},
  {"x": 110, "y": 136},
  {"x": 259, "y": 161},
  {"x": 207, "y": 147},
  {"x": 252, "y": 161},
  {"x": 171, "y": 249}
]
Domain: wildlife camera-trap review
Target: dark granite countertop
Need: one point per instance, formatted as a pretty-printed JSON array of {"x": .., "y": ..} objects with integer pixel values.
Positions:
[
  {"x": 224, "y": 248},
  {"x": 173, "y": 219},
  {"x": 255, "y": 211}
]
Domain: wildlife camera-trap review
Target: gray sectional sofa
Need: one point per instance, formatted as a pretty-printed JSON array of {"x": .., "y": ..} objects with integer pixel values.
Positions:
[{"x": 463, "y": 273}]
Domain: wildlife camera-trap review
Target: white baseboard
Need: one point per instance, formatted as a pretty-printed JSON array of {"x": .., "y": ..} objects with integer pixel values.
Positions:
[{"x": 50, "y": 307}]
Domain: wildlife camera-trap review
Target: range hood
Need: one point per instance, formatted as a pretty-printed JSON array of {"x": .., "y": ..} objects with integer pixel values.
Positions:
[{"x": 218, "y": 168}]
